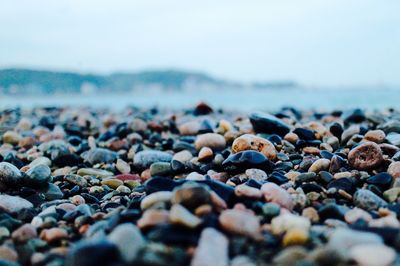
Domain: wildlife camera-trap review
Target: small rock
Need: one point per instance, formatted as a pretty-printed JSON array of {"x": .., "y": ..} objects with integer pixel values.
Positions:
[
  {"x": 377, "y": 136},
  {"x": 211, "y": 250},
  {"x": 243, "y": 190},
  {"x": 240, "y": 222},
  {"x": 24, "y": 233},
  {"x": 123, "y": 166},
  {"x": 144, "y": 159},
  {"x": 343, "y": 239},
  {"x": 160, "y": 169},
  {"x": 266, "y": 123},
  {"x": 295, "y": 236},
  {"x": 128, "y": 239},
  {"x": 392, "y": 194},
  {"x": 153, "y": 217},
  {"x": 251, "y": 142},
  {"x": 9, "y": 175},
  {"x": 76, "y": 180},
  {"x": 94, "y": 172},
  {"x": 205, "y": 154},
  {"x": 373, "y": 255},
  {"x": 319, "y": 165},
  {"x": 366, "y": 156},
  {"x": 195, "y": 176},
  {"x": 191, "y": 195},
  {"x": 367, "y": 200},
  {"x": 156, "y": 197},
  {"x": 54, "y": 234},
  {"x": 14, "y": 204},
  {"x": 93, "y": 253},
  {"x": 356, "y": 214},
  {"x": 394, "y": 169},
  {"x": 112, "y": 183},
  {"x": 276, "y": 194},
  {"x": 38, "y": 175},
  {"x": 181, "y": 216},
  {"x": 212, "y": 140},
  {"x": 288, "y": 221},
  {"x": 100, "y": 155},
  {"x": 183, "y": 156},
  {"x": 11, "y": 137},
  {"x": 247, "y": 159}
]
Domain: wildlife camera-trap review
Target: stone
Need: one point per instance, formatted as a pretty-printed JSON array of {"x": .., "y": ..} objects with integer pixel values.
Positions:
[
  {"x": 377, "y": 136},
  {"x": 94, "y": 172},
  {"x": 40, "y": 160},
  {"x": 343, "y": 239},
  {"x": 205, "y": 154},
  {"x": 290, "y": 256},
  {"x": 99, "y": 252},
  {"x": 295, "y": 236},
  {"x": 14, "y": 204},
  {"x": 356, "y": 214},
  {"x": 154, "y": 198},
  {"x": 382, "y": 180},
  {"x": 183, "y": 156},
  {"x": 76, "y": 180},
  {"x": 24, "y": 233},
  {"x": 195, "y": 176},
  {"x": 181, "y": 216},
  {"x": 275, "y": 194},
  {"x": 287, "y": 221},
  {"x": 366, "y": 156},
  {"x": 373, "y": 255},
  {"x": 367, "y": 200},
  {"x": 11, "y": 137},
  {"x": 319, "y": 165},
  {"x": 211, "y": 140},
  {"x": 393, "y": 138},
  {"x": 243, "y": 160},
  {"x": 38, "y": 175},
  {"x": 394, "y": 169},
  {"x": 189, "y": 128},
  {"x": 191, "y": 195},
  {"x": 54, "y": 234},
  {"x": 128, "y": 239},
  {"x": 392, "y": 194},
  {"x": 160, "y": 169},
  {"x": 122, "y": 166},
  {"x": 271, "y": 210},
  {"x": 266, "y": 123},
  {"x": 211, "y": 250},
  {"x": 9, "y": 175},
  {"x": 100, "y": 155},
  {"x": 8, "y": 255},
  {"x": 251, "y": 142},
  {"x": 144, "y": 159},
  {"x": 240, "y": 222},
  {"x": 153, "y": 217},
  {"x": 52, "y": 192},
  {"x": 256, "y": 174},
  {"x": 247, "y": 192},
  {"x": 112, "y": 183}
]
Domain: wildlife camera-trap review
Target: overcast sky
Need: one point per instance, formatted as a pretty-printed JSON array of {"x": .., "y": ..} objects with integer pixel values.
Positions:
[{"x": 341, "y": 42}]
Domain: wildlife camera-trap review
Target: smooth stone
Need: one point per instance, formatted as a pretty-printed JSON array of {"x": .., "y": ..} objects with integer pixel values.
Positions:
[
  {"x": 76, "y": 180},
  {"x": 122, "y": 166},
  {"x": 9, "y": 175},
  {"x": 356, "y": 214},
  {"x": 195, "y": 176},
  {"x": 8, "y": 256},
  {"x": 392, "y": 194},
  {"x": 287, "y": 221},
  {"x": 367, "y": 200},
  {"x": 245, "y": 191},
  {"x": 160, "y": 169},
  {"x": 277, "y": 178},
  {"x": 394, "y": 169},
  {"x": 295, "y": 236},
  {"x": 38, "y": 175},
  {"x": 144, "y": 159},
  {"x": 156, "y": 197},
  {"x": 394, "y": 139},
  {"x": 377, "y": 136},
  {"x": 373, "y": 255},
  {"x": 54, "y": 234},
  {"x": 211, "y": 140},
  {"x": 100, "y": 155},
  {"x": 266, "y": 123},
  {"x": 191, "y": 195},
  {"x": 382, "y": 180},
  {"x": 182, "y": 156},
  {"x": 128, "y": 239},
  {"x": 366, "y": 156},
  {"x": 332, "y": 211},
  {"x": 181, "y": 216},
  {"x": 94, "y": 172},
  {"x": 343, "y": 239},
  {"x": 211, "y": 250},
  {"x": 271, "y": 210},
  {"x": 189, "y": 128},
  {"x": 40, "y": 160},
  {"x": 242, "y": 260},
  {"x": 353, "y": 116},
  {"x": 319, "y": 165},
  {"x": 251, "y": 142},
  {"x": 343, "y": 183},
  {"x": 349, "y": 132},
  {"x": 304, "y": 134},
  {"x": 205, "y": 154},
  {"x": 290, "y": 256},
  {"x": 247, "y": 159},
  {"x": 52, "y": 192},
  {"x": 153, "y": 217},
  {"x": 256, "y": 174},
  {"x": 14, "y": 204},
  {"x": 24, "y": 233},
  {"x": 112, "y": 183},
  {"x": 275, "y": 194},
  {"x": 93, "y": 253},
  {"x": 240, "y": 222}
]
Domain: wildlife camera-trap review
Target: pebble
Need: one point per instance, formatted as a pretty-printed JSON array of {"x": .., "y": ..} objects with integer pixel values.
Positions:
[
  {"x": 112, "y": 183},
  {"x": 356, "y": 214},
  {"x": 99, "y": 252},
  {"x": 240, "y": 222},
  {"x": 100, "y": 155},
  {"x": 153, "y": 217},
  {"x": 11, "y": 137},
  {"x": 367, "y": 200},
  {"x": 295, "y": 236},
  {"x": 343, "y": 239},
  {"x": 128, "y": 239},
  {"x": 247, "y": 191},
  {"x": 191, "y": 195},
  {"x": 251, "y": 142},
  {"x": 183, "y": 156},
  {"x": 53, "y": 234},
  {"x": 319, "y": 165},
  {"x": 39, "y": 175},
  {"x": 211, "y": 250},
  {"x": 160, "y": 169},
  {"x": 373, "y": 255},
  {"x": 377, "y": 136},
  {"x": 287, "y": 221},
  {"x": 181, "y": 216},
  {"x": 94, "y": 172},
  {"x": 394, "y": 169},
  {"x": 205, "y": 154},
  {"x": 275, "y": 194},
  {"x": 154, "y": 198},
  {"x": 123, "y": 167},
  {"x": 9, "y": 175},
  {"x": 14, "y": 204},
  {"x": 266, "y": 123},
  {"x": 24, "y": 233},
  {"x": 144, "y": 159},
  {"x": 366, "y": 156},
  {"x": 247, "y": 159},
  {"x": 211, "y": 140}
]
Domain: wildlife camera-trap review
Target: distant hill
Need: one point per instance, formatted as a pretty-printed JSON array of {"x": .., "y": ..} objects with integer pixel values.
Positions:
[{"x": 27, "y": 81}]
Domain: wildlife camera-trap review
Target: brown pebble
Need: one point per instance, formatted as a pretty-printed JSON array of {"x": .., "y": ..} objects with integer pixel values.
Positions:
[
  {"x": 251, "y": 142},
  {"x": 246, "y": 191},
  {"x": 377, "y": 136},
  {"x": 240, "y": 222},
  {"x": 274, "y": 193},
  {"x": 394, "y": 169},
  {"x": 24, "y": 233},
  {"x": 53, "y": 234},
  {"x": 366, "y": 156},
  {"x": 153, "y": 217},
  {"x": 205, "y": 154}
]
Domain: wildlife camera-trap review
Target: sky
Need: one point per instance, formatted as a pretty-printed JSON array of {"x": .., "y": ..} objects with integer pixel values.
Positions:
[{"x": 314, "y": 42}]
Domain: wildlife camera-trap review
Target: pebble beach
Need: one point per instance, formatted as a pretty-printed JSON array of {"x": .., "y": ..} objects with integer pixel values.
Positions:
[{"x": 200, "y": 186}]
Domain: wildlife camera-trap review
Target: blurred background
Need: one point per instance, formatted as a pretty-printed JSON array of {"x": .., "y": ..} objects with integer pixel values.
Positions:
[{"x": 245, "y": 55}]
